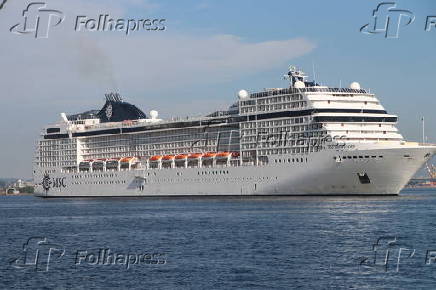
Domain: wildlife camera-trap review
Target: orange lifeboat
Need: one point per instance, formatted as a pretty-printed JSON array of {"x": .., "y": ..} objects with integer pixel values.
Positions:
[
  {"x": 195, "y": 155},
  {"x": 223, "y": 154},
  {"x": 127, "y": 159},
  {"x": 168, "y": 157},
  {"x": 181, "y": 156},
  {"x": 209, "y": 155},
  {"x": 155, "y": 158}
]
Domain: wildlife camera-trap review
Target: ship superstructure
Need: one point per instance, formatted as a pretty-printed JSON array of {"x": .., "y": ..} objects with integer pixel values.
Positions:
[{"x": 304, "y": 139}]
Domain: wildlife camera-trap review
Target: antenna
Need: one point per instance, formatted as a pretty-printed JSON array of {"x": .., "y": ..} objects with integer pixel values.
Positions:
[
  {"x": 313, "y": 70},
  {"x": 423, "y": 130},
  {"x": 340, "y": 83}
]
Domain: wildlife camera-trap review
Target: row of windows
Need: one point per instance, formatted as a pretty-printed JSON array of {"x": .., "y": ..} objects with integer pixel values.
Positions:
[
  {"x": 44, "y": 145},
  {"x": 298, "y": 128},
  {"x": 359, "y": 157},
  {"x": 56, "y": 142},
  {"x": 153, "y": 137},
  {"x": 210, "y": 141},
  {"x": 291, "y": 160},
  {"x": 208, "y": 180},
  {"x": 213, "y": 172},
  {"x": 302, "y": 150},
  {"x": 197, "y": 147},
  {"x": 54, "y": 164},
  {"x": 57, "y": 153},
  {"x": 275, "y": 143},
  {"x": 101, "y": 182},
  {"x": 277, "y": 107},
  {"x": 266, "y": 108},
  {"x": 273, "y": 100},
  {"x": 281, "y": 122},
  {"x": 56, "y": 158},
  {"x": 280, "y": 99},
  {"x": 105, "y": 175}
]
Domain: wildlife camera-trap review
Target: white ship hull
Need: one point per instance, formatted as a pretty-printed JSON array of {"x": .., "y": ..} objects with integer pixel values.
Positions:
[{"x": 388, "y": 171}]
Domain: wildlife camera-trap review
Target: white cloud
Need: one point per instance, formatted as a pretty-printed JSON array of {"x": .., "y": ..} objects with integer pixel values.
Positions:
[{"x": 71, "y": 60}]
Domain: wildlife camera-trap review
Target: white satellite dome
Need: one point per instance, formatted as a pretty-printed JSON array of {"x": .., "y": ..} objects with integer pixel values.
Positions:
[
  {"x": 355, "y": 86},
  {"x": 154, "y": 114},
  {"x": 243, "y": 94},
  {"x": 299, "y": 85}
]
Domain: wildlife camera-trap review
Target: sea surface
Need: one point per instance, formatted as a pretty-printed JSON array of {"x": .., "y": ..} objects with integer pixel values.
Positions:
[{"x": 219, "y": 243}]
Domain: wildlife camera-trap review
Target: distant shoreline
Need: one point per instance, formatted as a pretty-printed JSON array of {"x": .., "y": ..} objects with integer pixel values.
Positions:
[{"x": 15, "y": 194}]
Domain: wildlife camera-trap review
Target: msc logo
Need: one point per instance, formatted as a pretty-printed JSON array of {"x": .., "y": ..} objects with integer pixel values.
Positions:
[
  {"x": 37, "y": 20},
  {"x": 387, "y": 19},
  {"x": 37, "y": 254},
  {"x": 48, "y": 182}
]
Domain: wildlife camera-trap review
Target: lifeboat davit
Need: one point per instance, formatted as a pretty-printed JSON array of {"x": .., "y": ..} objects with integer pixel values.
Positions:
[
  {"x": 181, "y": 156},
  {"x": 223, "y": 154},
  {"x": 209, "y": 155},
  {"x": 168, "y": 157},
  {"x": 155, "y": 158},
  {"x": 195, "y": 155}
]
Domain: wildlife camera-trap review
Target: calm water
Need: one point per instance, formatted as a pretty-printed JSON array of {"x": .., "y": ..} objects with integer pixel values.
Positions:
[{"x": 231, "y": 243}]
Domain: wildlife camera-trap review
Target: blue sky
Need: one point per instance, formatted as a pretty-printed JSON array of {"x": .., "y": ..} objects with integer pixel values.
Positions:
[{"x": 210, "y": 50}]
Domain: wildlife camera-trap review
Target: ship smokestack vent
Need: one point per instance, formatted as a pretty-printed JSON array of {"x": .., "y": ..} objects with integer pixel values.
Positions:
[{"x": 113, "y": 97}]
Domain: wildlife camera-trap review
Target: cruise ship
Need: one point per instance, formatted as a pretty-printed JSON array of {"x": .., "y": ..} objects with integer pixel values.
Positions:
[{"x": 305, "y": 139}]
